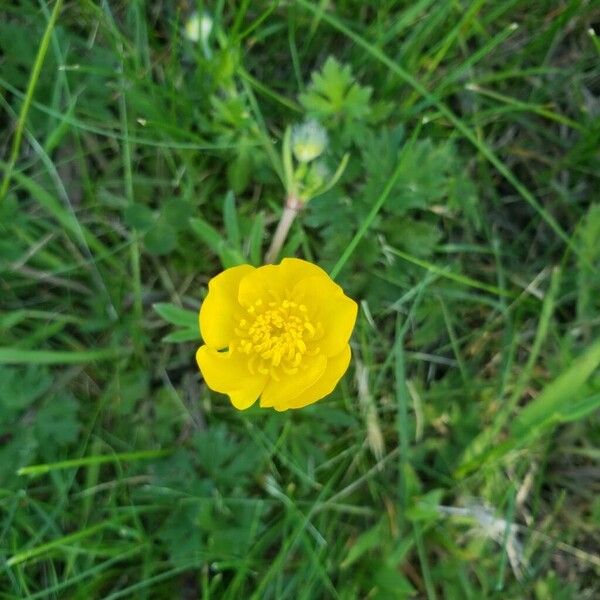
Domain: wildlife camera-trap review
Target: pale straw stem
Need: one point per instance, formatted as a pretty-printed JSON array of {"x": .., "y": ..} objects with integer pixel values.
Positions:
[{"x": 291, "y": 209}]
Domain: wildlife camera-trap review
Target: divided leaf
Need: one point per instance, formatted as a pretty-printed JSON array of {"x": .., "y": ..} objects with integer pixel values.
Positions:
[{"x": 334, "y": 92}]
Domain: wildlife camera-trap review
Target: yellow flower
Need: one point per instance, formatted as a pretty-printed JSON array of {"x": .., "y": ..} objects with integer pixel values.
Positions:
[{"x": 280, "y": 332}]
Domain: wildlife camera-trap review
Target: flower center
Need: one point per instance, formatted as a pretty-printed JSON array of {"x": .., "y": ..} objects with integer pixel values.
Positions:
[{"x": 276, "y": 336}]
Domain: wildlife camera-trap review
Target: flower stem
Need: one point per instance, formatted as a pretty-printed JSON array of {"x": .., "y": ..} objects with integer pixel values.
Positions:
[{"x": 291, "y": 209}]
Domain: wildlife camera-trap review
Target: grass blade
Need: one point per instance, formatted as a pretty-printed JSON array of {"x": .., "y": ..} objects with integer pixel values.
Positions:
[
  {"x": 35, "y": 73},
  {"x": 16, "y": 356},
  {"x": 92, "y": 460}
]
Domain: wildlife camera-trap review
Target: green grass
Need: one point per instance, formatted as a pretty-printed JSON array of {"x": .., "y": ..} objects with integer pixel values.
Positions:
[{"x": 458, "y": 458}]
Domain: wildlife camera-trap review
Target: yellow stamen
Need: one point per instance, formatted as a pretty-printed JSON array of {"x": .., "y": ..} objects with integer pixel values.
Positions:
[{"x": 276, "y": 335}]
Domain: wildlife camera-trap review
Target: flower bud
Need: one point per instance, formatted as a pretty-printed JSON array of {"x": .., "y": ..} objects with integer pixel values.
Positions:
[
  {"x": 198, "y": 28},
  {"x": 317, "y": 175},
  {"x": 309, "y": 140}
]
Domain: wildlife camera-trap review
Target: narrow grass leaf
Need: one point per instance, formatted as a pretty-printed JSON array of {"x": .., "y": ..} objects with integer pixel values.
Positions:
[
  {"x": 27, "y": 555},
  {"x": 557, "y": 397},
  {"x": 33, "y": 79},
  {"x": 462, "y": 279},
  {"x": 17, "y": 356},
  {"x": 86, "y": 461},
  {"x": 475, "y": 452}
]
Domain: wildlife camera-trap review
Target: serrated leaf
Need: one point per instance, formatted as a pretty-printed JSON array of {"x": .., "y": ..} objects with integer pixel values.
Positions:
[
  {"x": 424, "y": 175},
  {"x": 133, "y": 386},
  {"x": 418, "y": 238},
  {"x": 226, "y": 460},
  {"x": 56, "y": 423},
  {"x": 425, "y": 172},
  {"x": 334, "y": 92},
  {"x": 21, "y": 386},
  {"x": 17, "y": 449},
  {"x": 181, "y": 534}
]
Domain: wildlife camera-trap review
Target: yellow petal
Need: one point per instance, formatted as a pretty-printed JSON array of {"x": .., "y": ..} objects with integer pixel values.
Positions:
[
  {"x": 227, "y": 372},
  {"x": 217, "y": 314},
  {"x": 336, "y": 367},
  {"x": 290, "y": 386},
  {"x": 338, "y": 320},
  {"x": 276, "y": 280},
  {"x": 257, "y": 285},
  {"x": 293, "y": 270},
  {"x": 246, "y": 396},
  {"x": 329, "y": 306}
]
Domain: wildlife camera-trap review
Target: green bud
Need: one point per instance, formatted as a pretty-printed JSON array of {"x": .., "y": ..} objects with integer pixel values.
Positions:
[{"x": 309, "y": 140}]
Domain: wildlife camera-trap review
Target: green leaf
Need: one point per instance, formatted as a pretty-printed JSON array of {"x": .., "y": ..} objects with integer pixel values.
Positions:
[
  {"x": 20, "y": 387},
  {"x": 578, "y": 410},
  {"x": 139, "y": 217},
  {"x": 425, "y": 172},
  {"x": 227, "y": 461},
  {"x": 229, "y": 257},
  {"x": 588, "y": 280},
  {"x": 17, "y": 448},
  {"x": 425, "y": 508},
  {"x": 177, "y": 315},
  {"x": 238, "y": 171},
  {"x": 182, "y": 317},
  {"x": 208, "y": 234},
  {"x": 182, "y": 335},
  {"x": 558, "y": 397},
  {"x": 255, "y": 239},
  {"x": 23, "y": 356},
  {"x": 134, "y": 385},
  {"x": 365, "y": 542},
  {"x": 333, "y": 92},
  {"x": 392, "y": 583},
  {"x": 230, "y": 219},
  {"x": 56, "y": 423},
  {"x": 181, "y": 534},
  {"x": 418, "y": 238},
  {"x": 161, "y": 239},
  {"x": 176, "y": 213},
  {"x": 423, "y": 179}
]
